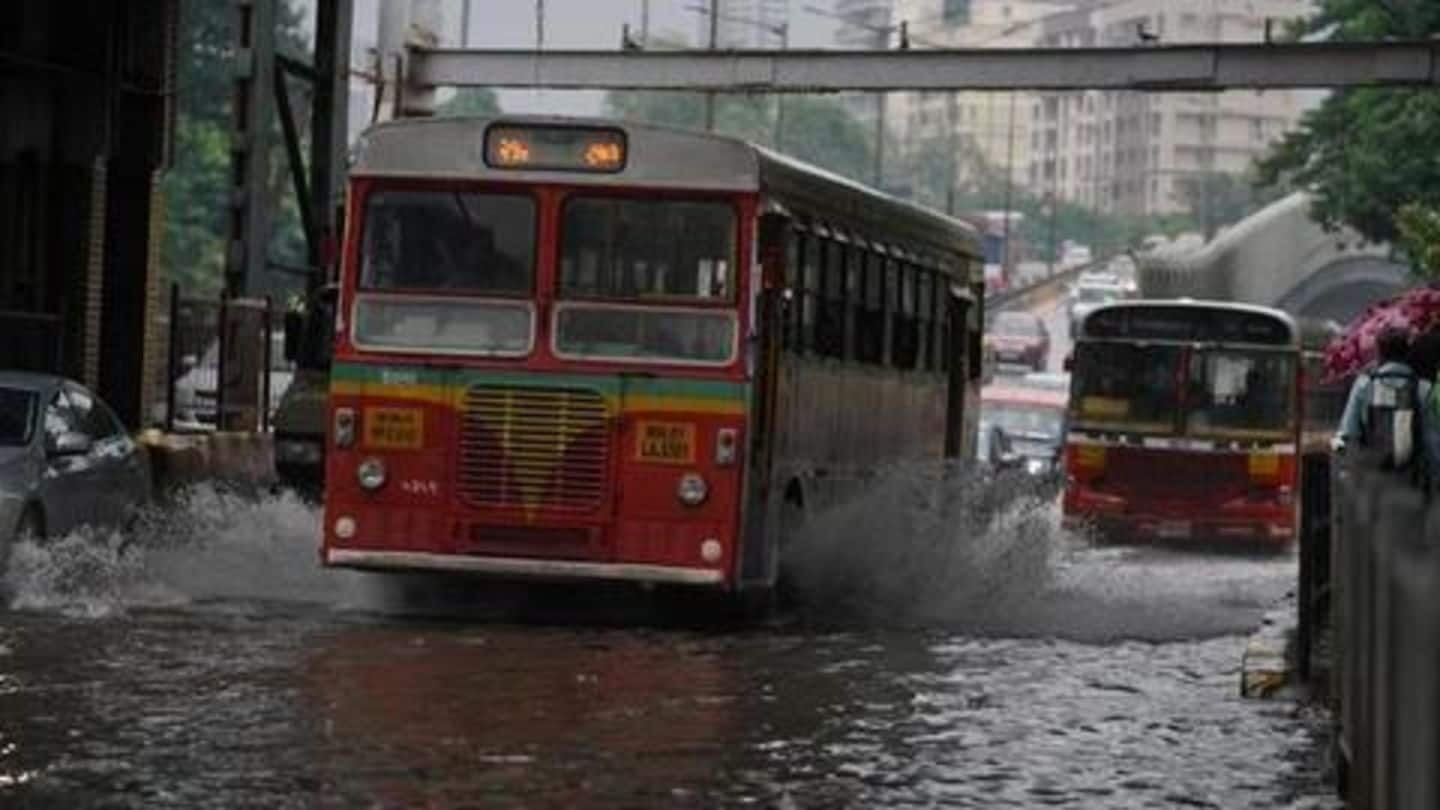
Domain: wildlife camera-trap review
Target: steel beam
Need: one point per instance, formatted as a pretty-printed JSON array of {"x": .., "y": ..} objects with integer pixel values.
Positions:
[
  {"x": 1173, "y": 67},
  {"x": 249, "y": 144}
]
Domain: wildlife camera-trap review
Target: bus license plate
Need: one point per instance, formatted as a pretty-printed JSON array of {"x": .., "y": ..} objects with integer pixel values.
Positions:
[
  {"x": 665, "y": 442},
  {"x": 394, "y": 428}
]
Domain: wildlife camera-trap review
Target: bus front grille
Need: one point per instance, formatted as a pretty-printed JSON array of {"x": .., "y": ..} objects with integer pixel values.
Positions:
[{"x": 531, "y": 448}]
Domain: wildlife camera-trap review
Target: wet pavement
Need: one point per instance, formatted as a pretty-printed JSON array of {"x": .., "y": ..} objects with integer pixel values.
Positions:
[{"x": 213, "y": 665}]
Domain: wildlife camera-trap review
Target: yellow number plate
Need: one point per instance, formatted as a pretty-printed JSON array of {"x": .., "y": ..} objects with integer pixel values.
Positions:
[
  {"x": 665, "y": 442},
  {"x": 394, "y": 428}
]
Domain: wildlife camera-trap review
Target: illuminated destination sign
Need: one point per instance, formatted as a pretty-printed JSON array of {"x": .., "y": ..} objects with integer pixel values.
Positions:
[{"x": 554, "y": 148}]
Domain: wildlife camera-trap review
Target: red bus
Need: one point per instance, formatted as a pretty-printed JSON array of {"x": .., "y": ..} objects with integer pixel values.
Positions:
[
  {"x": 1184, "y": 423},
  {"x": 596, "y": 350}
]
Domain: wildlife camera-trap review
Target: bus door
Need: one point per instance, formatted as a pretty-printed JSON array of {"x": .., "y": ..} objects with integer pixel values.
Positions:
[
  {"x": 760, "y": 554},
  {"x": 964, "y": 315}
]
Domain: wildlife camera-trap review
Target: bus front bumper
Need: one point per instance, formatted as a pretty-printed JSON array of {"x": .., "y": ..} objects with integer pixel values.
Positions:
[
  {"x": 521, "y": 568},
  {"x": 1119, "y": 519}
]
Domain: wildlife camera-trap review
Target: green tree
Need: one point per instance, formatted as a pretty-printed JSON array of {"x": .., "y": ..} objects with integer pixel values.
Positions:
[
  {"x": 1366, "y": 152},
  {"x": 1419, "y": 228},
  {"x": 196, "y": 187},
  {"x": 471, "y": 101},
  {"x": 1216, "y": 199}
]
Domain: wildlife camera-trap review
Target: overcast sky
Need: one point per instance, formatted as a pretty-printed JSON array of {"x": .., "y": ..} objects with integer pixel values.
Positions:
[{"x": 580, "y": 24}]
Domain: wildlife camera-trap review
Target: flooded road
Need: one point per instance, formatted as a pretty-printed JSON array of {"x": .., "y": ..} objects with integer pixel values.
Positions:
[{"x": 217, "y": 667}]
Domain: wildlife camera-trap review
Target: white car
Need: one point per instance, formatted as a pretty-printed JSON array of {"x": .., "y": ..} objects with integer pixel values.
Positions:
[{"x": 195, "y": 391}]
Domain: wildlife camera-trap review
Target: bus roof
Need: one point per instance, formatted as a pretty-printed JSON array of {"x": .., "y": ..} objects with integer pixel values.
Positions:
[
  {"x": 660, "y": 157},
  {"x": 1186, "y": 321}
]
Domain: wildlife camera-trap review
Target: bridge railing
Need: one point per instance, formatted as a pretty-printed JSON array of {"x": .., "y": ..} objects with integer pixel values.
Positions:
[{"x": 1385, "y": 606}]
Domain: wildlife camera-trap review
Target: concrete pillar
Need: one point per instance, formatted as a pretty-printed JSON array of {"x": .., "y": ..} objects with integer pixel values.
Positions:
[{"x": 92, "y": 294}]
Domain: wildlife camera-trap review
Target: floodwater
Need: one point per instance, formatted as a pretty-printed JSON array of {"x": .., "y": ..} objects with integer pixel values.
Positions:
[{"x": 212, "y": 664}]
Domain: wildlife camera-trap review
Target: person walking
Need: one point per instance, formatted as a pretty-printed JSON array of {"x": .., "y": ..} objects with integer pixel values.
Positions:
[{"x": 1383, "y": 414}]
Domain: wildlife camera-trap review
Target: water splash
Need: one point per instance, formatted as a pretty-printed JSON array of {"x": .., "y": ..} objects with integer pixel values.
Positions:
[
  {"x": 208, "y": 544},
  {"x": 987, "y": 556}
]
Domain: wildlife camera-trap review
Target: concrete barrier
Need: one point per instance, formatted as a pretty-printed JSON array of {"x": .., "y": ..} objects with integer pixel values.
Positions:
[
  {"x": 1386, "y": 577},
  {"x": 236, "y": 459}
]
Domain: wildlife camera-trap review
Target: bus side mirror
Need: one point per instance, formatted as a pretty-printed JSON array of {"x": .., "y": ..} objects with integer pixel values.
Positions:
[{"x": 294, "y": 328}]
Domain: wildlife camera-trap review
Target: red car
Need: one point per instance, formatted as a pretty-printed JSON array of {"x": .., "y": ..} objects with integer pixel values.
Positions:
[{"x": 1019, "y": 338}]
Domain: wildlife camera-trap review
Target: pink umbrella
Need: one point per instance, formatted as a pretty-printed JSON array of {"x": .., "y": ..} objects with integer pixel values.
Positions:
[{"x": 1416, "y": 311}]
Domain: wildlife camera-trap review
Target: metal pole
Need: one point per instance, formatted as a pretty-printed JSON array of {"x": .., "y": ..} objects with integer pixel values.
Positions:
[
  {"x": 173, "y": 371},
  {"x": 392, "y": 23},
  {"x": 267, "y": 332},
  {"x": 950, "y": 154},
  {"x": 464, "y": 23},
  {"x": 1054, "y": 210},
  {"x": 784, "y": 32},
  {"x": 329, "y": 130},
  {"x": 644, "y": 23},
  {"x": 249, "y": 147},
  {"x": 1009, "y": 192},
  {"x": 714, "y": 39},
  {"x": 880, "y": 141}
]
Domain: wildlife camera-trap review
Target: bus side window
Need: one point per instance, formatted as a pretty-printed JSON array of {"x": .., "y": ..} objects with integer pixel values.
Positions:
[
  {"x": 809, "y": 288},
  {"x": 871, "y": 331},
  {"x": 830, "y": 320},
  {"x": 925, "y": 318},
  {"x": 854, "y": 298},
  {"x": 790, "y": 325},
  {"x": 902, "y": 354},
  {"x": 892, "y": 309}
]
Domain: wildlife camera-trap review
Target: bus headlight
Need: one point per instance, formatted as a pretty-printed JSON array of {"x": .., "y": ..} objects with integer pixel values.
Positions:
[
  {"x": 692, "y": 490},
  {"x": 370, "y": 474}
]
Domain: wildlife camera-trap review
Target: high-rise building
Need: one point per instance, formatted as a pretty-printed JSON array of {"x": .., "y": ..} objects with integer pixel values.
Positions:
[
  {"x": 1133, "y": 152},
  {"x": 1124, "y": 152}
]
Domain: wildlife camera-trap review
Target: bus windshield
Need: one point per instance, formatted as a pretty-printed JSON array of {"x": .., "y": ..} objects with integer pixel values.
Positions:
[
  {"x": 653, "y": 268},
  {"x": 1240, "y": 393},
  {"x": 1128, "y": 386},
  {"x": 428, "y": 254},
  {"x": 1220, "y": 393}
]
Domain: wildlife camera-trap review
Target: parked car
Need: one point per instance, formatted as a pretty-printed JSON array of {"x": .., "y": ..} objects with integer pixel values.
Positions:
[
  {"x": 65, "y": 460},
  {"x": 1021, "y": 338},
  {"x": 196, "y": 390}
]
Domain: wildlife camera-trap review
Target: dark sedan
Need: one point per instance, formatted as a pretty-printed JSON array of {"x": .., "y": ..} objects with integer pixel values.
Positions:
[
  {"x": 65, "y": 460},
  {"x": 1020, "y": 338}
]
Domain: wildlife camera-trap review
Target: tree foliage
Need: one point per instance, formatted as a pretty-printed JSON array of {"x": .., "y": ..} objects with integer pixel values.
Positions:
[
  {"x": 1419, "y": 228},
  {"x": 1217, "y": 199},
  {"x": 196, "y": 188},
  {"x": 1366, "y": 152},
  {"x": 471, "y": 101}
]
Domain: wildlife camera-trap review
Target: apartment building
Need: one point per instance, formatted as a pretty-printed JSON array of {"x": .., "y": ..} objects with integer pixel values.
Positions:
[
  {"x": 991, "y": 134},
  {"x": 1131, "y": 152},
  {"x": 1124, "y": 152}
]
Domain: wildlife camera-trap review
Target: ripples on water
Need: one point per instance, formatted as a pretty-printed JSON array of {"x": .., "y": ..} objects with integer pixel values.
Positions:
[{"x": 967, "y": 655}]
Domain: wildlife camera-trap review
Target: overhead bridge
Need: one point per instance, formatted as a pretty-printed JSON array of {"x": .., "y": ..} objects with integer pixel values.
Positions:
[
  {"x": 1279, "y": 257},
  {"x": 1200, "y": 67}
]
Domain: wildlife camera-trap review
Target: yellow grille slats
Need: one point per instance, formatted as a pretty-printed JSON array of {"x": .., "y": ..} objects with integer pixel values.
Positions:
[{"x": 534, "y": 447}]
